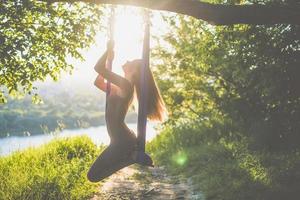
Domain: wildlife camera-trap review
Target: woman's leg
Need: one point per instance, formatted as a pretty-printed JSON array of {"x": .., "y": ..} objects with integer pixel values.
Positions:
[
  {"x": 117, "y": 155},
  {"x": 110, "y": 161}
]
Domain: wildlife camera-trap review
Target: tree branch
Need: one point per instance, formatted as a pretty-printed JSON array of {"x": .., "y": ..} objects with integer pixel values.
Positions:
[{"x": 216, "y": 14}]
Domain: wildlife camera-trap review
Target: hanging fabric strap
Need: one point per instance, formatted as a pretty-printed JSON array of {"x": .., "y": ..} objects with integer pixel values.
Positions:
[
  {"x": 109, "y": 62},
  {"x": 142, "y": 111}
]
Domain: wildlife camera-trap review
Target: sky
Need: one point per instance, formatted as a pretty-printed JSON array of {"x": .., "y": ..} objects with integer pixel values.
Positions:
[{"x": 129, "y": 32}]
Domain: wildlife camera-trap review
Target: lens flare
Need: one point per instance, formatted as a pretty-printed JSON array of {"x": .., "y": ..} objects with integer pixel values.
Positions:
[{"x": 180, "y": 158}]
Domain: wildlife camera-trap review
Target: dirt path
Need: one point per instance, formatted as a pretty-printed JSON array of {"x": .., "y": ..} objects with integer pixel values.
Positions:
[{"x": 135, "y": 183}]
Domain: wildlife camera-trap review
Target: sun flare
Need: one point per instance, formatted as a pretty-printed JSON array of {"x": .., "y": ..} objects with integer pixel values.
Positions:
[{"x": 128, "y": 35}]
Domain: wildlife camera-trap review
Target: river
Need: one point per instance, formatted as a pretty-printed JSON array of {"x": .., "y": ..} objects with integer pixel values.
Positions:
[{"x": 98, "y": 135}]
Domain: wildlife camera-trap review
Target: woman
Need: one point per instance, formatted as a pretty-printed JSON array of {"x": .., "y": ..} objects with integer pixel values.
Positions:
[{"x": 121, "y": 151}]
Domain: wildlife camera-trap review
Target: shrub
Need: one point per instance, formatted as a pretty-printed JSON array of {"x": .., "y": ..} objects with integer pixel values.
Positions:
[{"x": 53, "y": 171}]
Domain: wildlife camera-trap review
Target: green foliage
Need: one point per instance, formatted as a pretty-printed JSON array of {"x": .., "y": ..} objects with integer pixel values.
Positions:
[
  {"x": 246, "y": 73},
  {"x": 36, "y": 38},
  {"x": 234, "y": 105},
  {"x": 222, "y": 171},
  {"x": 54, "y": 171}
]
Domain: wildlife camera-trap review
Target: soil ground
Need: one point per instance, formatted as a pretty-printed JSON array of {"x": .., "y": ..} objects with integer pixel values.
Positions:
[{"x": 138, "y": 183}]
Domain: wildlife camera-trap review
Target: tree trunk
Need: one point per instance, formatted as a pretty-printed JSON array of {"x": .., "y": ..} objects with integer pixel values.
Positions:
[{"x": 216, "y": 14}]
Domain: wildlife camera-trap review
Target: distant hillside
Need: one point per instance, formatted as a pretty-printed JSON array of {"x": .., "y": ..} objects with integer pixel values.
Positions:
[{"x": 63, "y": 108}]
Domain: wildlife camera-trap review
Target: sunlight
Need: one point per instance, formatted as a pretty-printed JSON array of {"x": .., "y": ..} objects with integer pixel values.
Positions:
[
  {"x": 128, "y": 36},
  {"x": 129, "y": 33}
]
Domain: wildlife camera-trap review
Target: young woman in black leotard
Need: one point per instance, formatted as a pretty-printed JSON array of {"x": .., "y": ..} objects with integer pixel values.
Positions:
[{"x": 120, "y": 152}]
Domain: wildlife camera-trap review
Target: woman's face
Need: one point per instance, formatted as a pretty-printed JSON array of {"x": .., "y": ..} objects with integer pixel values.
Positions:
[{"x": 130, "y": 69}]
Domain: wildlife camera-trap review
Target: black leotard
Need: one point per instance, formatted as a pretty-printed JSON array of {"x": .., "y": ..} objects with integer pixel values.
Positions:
[{"x": 117, "y": 107}]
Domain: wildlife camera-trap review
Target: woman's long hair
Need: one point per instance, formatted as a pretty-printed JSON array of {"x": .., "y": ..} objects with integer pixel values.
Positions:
[{"x": 156, "y": 109}]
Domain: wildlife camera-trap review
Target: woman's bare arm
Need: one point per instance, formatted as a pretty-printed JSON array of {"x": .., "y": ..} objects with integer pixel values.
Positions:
[
  {"x": 112, "y": 77},
  {"x": 99, "y": 83},
  {"x": 117, "y": 80},
  {"x": 101, "y": 62}
]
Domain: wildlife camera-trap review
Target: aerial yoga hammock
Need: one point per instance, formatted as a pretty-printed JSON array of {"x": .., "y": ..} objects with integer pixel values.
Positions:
[{"x": 125, "y": 148}]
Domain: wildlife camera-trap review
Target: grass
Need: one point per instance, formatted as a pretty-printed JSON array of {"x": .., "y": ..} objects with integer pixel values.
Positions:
[
  {"x": 54, "y": 171},
  {"x": 222, "y": 172}
]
